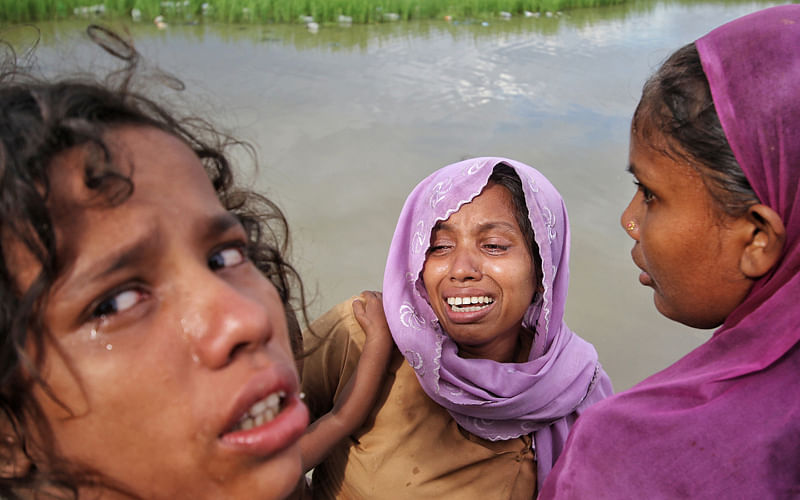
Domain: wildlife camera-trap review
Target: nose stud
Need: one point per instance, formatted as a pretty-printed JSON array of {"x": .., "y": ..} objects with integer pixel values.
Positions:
[{"x": 631, "y": 225}]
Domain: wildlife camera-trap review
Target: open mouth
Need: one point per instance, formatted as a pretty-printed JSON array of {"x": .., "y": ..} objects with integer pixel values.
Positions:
[
  {"x": 469, "y": 304},
  {"x": 261, "y": 412}
]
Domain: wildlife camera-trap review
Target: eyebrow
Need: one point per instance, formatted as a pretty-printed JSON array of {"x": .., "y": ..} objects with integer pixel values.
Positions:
[
  {"x": 481, "y": 227},
  {"x": 218, "y": 224},
  {"x": 631, "y": 169},
  {"x": 125, "y": 256},
  {"x": 146, "y": 244}
]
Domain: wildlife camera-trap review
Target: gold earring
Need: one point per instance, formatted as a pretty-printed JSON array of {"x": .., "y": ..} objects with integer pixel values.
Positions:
[{"x": 630, "y": 226}]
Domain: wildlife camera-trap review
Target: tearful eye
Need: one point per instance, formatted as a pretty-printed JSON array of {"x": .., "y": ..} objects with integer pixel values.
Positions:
[
  {"x": 227, "y": 257},
  {"x": 494, "y": 247},
  {"x": 119, "y": 302},
  {"x": 438, "y": 249}
]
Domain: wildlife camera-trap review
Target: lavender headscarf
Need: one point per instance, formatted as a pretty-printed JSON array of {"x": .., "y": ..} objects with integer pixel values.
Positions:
[
  {"x": 724, "y": 421},
  {"x": 495, "y": 401}
]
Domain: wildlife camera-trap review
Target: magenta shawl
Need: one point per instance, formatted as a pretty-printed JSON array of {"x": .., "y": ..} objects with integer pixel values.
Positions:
[
  {"x": 724, "y": 421},
  {"x": 495, "y": 401}
]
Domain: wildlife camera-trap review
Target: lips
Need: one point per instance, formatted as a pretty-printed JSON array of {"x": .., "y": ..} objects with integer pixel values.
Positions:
[
  {"x": 469, "y": 304},
  {"x": 267, "y": 416},
  {"x": 644, "y": 277},
  {"x": 263, "y": 411}
]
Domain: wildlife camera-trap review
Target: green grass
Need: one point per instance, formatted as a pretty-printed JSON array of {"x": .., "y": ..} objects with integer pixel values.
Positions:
[{"x": 279, "y": 11}]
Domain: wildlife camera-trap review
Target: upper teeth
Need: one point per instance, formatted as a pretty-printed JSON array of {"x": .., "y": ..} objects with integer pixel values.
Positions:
[
  {"x": 262, "y": 411},
  {"x": 455, "y": 302}
]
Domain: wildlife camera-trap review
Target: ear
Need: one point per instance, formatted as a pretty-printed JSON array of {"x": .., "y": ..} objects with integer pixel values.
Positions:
[{"x": 766, "y": 240}]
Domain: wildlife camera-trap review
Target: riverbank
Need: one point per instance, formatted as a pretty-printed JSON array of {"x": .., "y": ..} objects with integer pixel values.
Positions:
[{"x": 284, "y": 11}]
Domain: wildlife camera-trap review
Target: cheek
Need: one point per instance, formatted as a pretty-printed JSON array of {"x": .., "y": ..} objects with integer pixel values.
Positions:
[
  {"x": 61, "y": 379},
  {"x": 431, "y": 273},
  {"x": 124, "y": 381},
  {"x": 519, "y": 281},
  {"x": 678, "y": 261},
  {"x": 115, "y": 374},
  {"x": 128, "y": 405},
  {"x": 277, "y": 312},
  {"x": 660, "y": 239},
  {"x": 101, "y": 400}
]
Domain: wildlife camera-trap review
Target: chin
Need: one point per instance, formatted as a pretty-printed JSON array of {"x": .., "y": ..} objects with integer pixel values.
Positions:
[
  {"x": 703, "y": 324},
  {"x": 694, "y": 320},
  {"x": 282, "y": 478}
]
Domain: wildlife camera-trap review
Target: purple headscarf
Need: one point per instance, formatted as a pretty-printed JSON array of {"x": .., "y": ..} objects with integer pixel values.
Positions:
[
  {"x": 493, "y": 400},
  {"x": 724, "y": 421}
]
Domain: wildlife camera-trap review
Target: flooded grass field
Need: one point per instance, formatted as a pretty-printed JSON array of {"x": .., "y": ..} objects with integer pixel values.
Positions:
[{"x": 281, "y": 11}]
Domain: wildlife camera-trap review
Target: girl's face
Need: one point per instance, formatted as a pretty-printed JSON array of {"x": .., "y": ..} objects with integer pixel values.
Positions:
[
  {"x": 688, "y": 253},
  {"x": 480, "y": 276},
  {"x": 169, "y": 349}
]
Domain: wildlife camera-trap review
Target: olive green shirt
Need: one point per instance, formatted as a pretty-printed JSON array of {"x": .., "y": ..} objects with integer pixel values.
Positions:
[{"x": 409, "y": 447}]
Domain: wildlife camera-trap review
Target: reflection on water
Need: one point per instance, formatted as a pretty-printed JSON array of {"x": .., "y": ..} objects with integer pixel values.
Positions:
[{"x": 348, "y": 120}]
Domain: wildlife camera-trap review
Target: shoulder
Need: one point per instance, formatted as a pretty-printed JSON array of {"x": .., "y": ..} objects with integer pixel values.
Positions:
[
  {"x": 333, "y": 345},
  {"x": 337, "y": 327}
]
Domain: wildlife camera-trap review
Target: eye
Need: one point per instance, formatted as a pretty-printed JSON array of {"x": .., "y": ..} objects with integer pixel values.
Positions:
[
  {"x": 495, "y": 248},
  {"x": 439, "y": 249},
  {"x": 118, "y": 302},
  {"x": 227, "y": 257},
  {"x": 646, "y": 193}
]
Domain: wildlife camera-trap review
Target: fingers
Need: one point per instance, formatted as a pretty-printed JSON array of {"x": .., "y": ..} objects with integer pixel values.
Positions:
[
  {"x": 368, "y": 302},
  {"x": 368, "y": 310},
  {"x": 359, "y": 306}
]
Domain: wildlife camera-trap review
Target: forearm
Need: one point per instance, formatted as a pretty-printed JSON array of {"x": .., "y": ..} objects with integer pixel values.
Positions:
[
  {"x": 320, "y": 438},
  {"x": 350, "y": 410},
  {"x": 358, "y": 396}
]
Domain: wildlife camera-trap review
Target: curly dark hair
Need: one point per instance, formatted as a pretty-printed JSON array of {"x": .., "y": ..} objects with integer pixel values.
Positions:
[
  {"x": 676, "y": 105},
  {"x": 40, "y": 118}
]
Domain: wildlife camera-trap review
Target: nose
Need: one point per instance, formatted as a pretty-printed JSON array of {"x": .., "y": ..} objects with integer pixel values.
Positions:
[
  {"x": 230, "y": 319},
  {"x": 629, "y": 220},
  {"x": 465, "y": 264}
]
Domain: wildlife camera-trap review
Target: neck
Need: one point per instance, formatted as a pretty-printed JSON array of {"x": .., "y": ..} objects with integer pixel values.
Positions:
[{"x": 514, "y": 351}]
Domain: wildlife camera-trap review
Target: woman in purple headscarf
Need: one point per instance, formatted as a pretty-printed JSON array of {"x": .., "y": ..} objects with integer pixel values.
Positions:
[
  {"x": 487, "y": 378},
  {"x": 715, "y": 152}
]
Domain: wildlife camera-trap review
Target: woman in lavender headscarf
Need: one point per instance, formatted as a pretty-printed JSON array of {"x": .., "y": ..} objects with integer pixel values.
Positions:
[
  {"x": 715, "y": 150},
  {"x": 487, "y": 378}
]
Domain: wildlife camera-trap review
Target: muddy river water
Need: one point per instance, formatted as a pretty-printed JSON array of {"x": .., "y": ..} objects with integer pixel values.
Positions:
[{"x": 347, "y": 120}]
